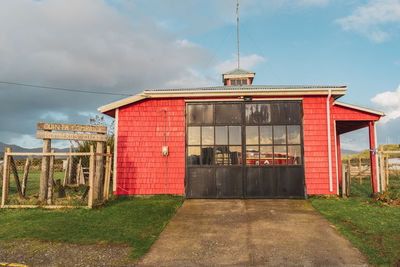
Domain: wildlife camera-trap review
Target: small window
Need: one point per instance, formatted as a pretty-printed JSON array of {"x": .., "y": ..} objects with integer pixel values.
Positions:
[
  {"x": 252, "y": 135},
  {"x": 266, "y": 135},
  {"x": 293, "y": 132},
  {"x": 258, "y": 113},
  {"x": 200, "y": 114},
  {"x": 266, "y": 155},
  {"x": 222, "y": 155},
  {"x": 221, "y": 135},
  {"x": 194, "y": 135},
  {"x": 252, "y": 155},
  {"x": 193, "y": 155},
  {"x": 207, "y": 135},
  {"x": 280, "y": 135},
  {"x": 235, "y": 135},
  {"x": 228, "y": 113},
  {"x": 235, "y": 155},
  {"x": 207, "y": 155},
  {"x": 280, "y": 157},
  {"x": 294, "y": 155}
]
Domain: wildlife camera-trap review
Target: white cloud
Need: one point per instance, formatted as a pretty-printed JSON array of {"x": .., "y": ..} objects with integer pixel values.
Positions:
[
  {"x": 374, "y": 19},
  {"x": 246, "y": 62},
  {"x": 56, "y": 116},
  {"x": 390, "y": 102}
]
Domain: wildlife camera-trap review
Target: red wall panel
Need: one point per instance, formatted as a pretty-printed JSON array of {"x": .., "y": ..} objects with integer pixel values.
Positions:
[{"x": 141, "y": 167}]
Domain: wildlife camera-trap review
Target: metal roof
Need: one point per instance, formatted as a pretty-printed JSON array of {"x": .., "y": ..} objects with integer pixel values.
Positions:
[
  {"x": 252, "y": 87},
  {"x": 231, "y": 91},
  {"x": 238, "y": 71}
]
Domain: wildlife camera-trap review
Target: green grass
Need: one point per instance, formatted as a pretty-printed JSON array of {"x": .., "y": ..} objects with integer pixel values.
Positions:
[
  {"x": 372, "y": 228},
  {"x": 136, "y": 222}
]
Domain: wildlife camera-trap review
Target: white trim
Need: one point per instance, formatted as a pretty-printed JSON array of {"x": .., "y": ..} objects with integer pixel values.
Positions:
[
  {"x": 378, "y": 180},
  {"x": 328, "y": 117},
  {"x": 115, "y": 149},
  {"x": 240, "y": 99},
  {"x": 236, "y": 91},
  {"x": 337, "y": 163},
  {"x": 359, "y": 108}
]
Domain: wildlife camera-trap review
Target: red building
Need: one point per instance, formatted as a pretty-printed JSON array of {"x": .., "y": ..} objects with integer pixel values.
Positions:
[{"x": 235, "y": 141}]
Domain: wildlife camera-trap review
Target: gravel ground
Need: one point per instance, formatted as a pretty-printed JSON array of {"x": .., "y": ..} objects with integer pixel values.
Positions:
[{"x": 39, "y": 253}]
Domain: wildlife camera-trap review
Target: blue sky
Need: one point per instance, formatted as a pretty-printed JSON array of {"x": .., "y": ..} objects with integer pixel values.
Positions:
[{"x": 127, "y": 46}]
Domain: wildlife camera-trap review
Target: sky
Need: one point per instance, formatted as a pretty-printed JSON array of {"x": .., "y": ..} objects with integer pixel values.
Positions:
[{"x": 124, "y": 47}]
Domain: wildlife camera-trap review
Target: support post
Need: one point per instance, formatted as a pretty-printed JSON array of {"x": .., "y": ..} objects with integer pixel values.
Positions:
[
  {"x": 349, "y": 167},
  {"x": 92, "y": 165},
  {"x": 372, "y": 146},
  {"x": 6, "y": 177},
  {"x": 98, "y": 182},
  {"x": 69, "y": 175},
  {"x": 78, "y": 172},
  {"x": 44, "y": 174},
  {"x": 25, "y": 178},
  {"x": 50, "y": 180}
]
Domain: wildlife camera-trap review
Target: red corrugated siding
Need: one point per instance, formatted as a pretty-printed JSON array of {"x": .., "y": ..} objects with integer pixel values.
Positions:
[
  {"x": 316, "y": 158},
  {"x": 141, "y": 166},
  {"x": 341, "y": 113}
]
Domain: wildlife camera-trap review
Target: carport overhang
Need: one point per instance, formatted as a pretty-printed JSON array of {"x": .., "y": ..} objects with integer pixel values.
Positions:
[{"x": 348, "y": 118}]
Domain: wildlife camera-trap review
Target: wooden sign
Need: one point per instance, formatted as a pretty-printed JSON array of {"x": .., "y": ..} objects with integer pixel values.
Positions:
[
  {"x": 71, "y": 127},
  {"x": 71, "y": 136}
]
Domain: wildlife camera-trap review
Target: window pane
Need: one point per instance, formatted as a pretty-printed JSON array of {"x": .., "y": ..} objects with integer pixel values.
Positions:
[
  {"x": 294, "y": 155},
  {"x": 194, "y": 135},
  {"x": 193, "y": 155},
  {"x": 279, "y": 135},
  {"x": 221, "y": 135},
  {"x": 266, "y": 155},
  {"x": 266, "y": 135},
  {"x": 200, "y": 114},
  {"x": 280, "y": 155},
  {"x": 235, "y": 135},
  {"x": 286, "y": 112},
  {"x": 252, "y": 135},
  {"x": 228, "y": 113},
  {"x": 258, "y": 113},
  {"x": 207, "y": 155},
  {"x": 252, "y": 155},
  {"x": 293, "y": 132},
  {"x": 207, "y": 135},
  {"x": 235, "y": 155},
  {"x": 222, "y": 155}
]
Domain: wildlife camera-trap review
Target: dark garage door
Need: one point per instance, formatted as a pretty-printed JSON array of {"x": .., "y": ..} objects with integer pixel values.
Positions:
[{"x": 244, "y": 150}]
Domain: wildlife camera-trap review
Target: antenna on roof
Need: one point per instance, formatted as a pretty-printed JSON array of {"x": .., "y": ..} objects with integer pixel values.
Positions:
[{"x": 237, "y": 25}]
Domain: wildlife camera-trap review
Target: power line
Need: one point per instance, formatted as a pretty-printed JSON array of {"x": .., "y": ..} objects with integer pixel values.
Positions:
[{"x": 63, "y": 89}]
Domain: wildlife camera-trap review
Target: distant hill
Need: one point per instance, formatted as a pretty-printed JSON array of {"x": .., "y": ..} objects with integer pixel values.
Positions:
[{"x": 16, "y": 148}]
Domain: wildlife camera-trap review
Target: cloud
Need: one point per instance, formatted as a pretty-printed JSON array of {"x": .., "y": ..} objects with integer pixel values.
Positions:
[
  {"x": 376, "y": 19},
  {"x": 246, "y": 62},
  {"x": 91, "y": 45},
  {"x": 390, "y": 102}
]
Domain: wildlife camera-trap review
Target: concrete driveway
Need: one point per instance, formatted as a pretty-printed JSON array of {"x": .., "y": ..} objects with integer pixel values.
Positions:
[{"x": 255, "y": 232}]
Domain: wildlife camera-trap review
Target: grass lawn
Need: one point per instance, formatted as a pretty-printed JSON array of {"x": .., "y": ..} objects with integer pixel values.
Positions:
[
  {"x": 372, "y": 228},
  {"x": 136, "y": 222}
]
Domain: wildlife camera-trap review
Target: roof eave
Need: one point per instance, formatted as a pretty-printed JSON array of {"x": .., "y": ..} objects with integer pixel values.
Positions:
[
  {"x": 376, "y": 112},
  {"x": 336, "y": 92}
]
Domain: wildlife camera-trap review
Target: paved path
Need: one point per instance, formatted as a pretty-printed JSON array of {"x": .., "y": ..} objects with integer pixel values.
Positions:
[{"x": 250, "y": 233}]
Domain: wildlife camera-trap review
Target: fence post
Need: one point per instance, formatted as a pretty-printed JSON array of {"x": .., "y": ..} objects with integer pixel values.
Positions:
[
  {"x": 348, "y": 179},
  {"x": 44, "y": 174},
  {"x": 387, "y": 171},
  {"x": 25, "y": 178},
  {"x": 344, "y": 182},
  {"x": 92, "y": 166},
  {"x": 6, "y": 177},
  {"x": 382, "y": 163},
  {"x": 98, "y": 181},
  {"x": 50, "y": 181},
  {"x": 359, "y": 169},
  {"x": 107, "y": 174},
  {"x": 70, "y": 165}
]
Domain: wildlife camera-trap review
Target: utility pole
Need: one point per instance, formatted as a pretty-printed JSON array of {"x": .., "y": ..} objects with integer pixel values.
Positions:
[{"x": 237, "y": 26}]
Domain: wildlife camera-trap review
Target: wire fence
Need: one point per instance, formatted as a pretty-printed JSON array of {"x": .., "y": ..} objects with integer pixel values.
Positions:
[{"x": 69, "y": 179}]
